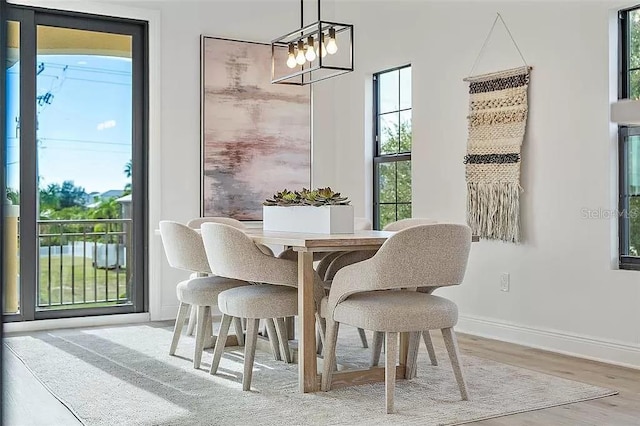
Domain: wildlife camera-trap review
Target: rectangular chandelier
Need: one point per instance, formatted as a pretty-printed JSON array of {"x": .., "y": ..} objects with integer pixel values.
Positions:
[{"x": 312, "y": 53}]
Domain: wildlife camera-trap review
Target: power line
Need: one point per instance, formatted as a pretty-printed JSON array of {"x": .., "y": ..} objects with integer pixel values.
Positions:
[
  {"x": 87, "y": 69},
  {"x": 86, "y": 150},
  {"x": 85, "y": 141}
]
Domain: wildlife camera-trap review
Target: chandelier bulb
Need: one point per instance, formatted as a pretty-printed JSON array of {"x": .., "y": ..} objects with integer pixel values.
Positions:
[
  {"x": 291, "y": 59},
  {"x": 311, "y": 53},
  {"x": 321, "y": 49},
  {"x": 332, "y": 47},
  {"x": 300, "y": 59}
]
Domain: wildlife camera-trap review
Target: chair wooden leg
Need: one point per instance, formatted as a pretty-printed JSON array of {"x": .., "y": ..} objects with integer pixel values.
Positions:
[
  {"x": 391, "y": 355},
  {"x": 377, "y": 348},
  {"x": 321, "y": 333},
  {"x": 221, "y": 341},
  {"x": 412, "y": 355},
  {"x": 193, "y": 318},
  {"x": 177, "y": 329},
  {"x": 283, "y": 338},
  {"x": 329, "y": 353},
  {"x": 426, "y": 336},
  {"x": 451, "y": 342},
  {"x": 237, "y": 325},
  {"x": 208, "y": 331},
  {"x": 201, "y": 334},
  {"x": 273, "y": 339},
  {"x": 363, "y": 338},
  {"x": 250, "y": 352},
  {"x": 319, "y": 345}
]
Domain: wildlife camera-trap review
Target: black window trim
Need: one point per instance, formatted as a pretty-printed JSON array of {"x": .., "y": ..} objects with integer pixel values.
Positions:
[
  {"x": 29, "y": 17},
  {"x": 379, "y": 158},
  {"x": 624, "y": 260}
]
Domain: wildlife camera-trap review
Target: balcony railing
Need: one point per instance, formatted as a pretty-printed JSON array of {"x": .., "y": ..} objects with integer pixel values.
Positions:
[{"x": 84, "y": 263}]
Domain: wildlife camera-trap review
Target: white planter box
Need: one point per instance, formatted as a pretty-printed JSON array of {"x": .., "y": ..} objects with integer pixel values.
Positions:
[{"x": 309, "y": 219}]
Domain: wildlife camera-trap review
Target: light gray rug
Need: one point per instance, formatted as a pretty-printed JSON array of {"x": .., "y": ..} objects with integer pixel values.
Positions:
[{"x": 124, "y": 376}]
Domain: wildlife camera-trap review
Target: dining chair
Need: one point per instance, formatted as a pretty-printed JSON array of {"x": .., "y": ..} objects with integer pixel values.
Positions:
[
  {"x": 233, "y": 254},
  {"x": 378, "y": 337},
  {"x": 238, "y": 323},
  {"x": 347, "y": 258},
  {"x": 359, "y": 224},
  {"x": 185, "y": 250},
  {"x": 372, "y": 295},
  {"x": 197, "y": 223}
]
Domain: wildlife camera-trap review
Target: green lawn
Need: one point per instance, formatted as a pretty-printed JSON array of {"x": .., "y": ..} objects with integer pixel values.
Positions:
[{"x": 80, "y": 283}]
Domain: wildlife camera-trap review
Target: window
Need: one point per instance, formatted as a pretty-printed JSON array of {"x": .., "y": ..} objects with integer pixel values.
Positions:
[
  {"x": 392, "y": 146},
  {"x": 629, "y": 142},
  {"x": 75, "y": 238}
]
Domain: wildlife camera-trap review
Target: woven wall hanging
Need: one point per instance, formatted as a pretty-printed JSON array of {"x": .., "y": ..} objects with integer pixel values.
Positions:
[{"x": 498, "y": 111}]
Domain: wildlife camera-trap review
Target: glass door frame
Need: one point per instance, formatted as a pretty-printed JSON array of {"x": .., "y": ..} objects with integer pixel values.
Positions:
[{"x": 29, "y": 19}]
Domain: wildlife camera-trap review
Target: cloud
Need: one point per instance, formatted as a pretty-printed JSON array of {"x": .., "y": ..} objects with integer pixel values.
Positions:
[{"x": 107, "y": 124}]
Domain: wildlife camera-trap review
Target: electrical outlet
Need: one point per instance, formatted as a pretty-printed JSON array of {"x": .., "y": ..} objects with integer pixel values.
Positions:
[{"x": 504, "y": 281}]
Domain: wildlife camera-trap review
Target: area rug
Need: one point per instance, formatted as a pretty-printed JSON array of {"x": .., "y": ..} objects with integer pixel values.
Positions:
[
  {"x": 497, "y": 121},
  {"x": 124, "y": 376}
]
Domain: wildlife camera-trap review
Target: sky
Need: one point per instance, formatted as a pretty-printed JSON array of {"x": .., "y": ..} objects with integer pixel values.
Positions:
[{"x": 84, "y": 133}]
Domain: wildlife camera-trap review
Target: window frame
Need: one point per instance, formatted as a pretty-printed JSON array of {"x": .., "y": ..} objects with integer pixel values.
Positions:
[
  {"x": 624, "y": 132},
  {"x": 30, "y": 18},
  {"x": 379, "y": 158}
]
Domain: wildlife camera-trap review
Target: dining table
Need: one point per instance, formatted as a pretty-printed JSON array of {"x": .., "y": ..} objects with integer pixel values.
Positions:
[{"x": 306, "y": 244}]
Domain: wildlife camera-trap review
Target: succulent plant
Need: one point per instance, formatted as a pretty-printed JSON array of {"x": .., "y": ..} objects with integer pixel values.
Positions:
[{"x": 306, "y": 197}]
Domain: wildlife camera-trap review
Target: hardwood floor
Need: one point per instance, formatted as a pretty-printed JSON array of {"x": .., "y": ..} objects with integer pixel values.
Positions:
[
  {"x": 27, "y": 402},
  {"x": 619, "y": 410}
]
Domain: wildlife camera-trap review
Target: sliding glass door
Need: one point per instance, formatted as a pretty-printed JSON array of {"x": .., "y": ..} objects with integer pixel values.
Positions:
[{"x": 75, "y": 165}]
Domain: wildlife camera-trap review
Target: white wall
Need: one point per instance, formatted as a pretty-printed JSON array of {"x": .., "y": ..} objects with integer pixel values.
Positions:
[
  {"x": 174, "y": 164},
  {"x": 565, "y": 294},
  {"x": 181, "y": 27}
]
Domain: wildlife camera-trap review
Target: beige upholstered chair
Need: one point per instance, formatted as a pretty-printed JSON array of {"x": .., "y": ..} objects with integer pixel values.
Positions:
[
  {"x": 233, "y": 254},
  {"x": 370, "y": 295},
  {"x": 197, "y": 222},
  {"x": 349, "y": 258},
  {"x": 378, "y": 337},
  {"x": 401, "y": 224},
  {"x": 237, "y": 322},
  {"x": 324, "y": 271},
  {"x": 184, "y": 249}
]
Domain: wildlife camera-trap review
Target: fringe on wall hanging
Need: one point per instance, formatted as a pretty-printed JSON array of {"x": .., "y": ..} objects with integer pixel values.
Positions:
[{"x": 498, "y": 109}]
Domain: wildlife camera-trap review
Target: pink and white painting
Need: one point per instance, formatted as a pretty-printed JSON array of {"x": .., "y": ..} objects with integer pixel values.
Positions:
[{"x": 256, "y": 136}]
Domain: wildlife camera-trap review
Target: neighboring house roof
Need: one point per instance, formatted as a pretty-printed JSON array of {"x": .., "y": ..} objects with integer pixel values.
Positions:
[
  {"x": 125, "y": 199},
  {"x": 112, "y": 193}
]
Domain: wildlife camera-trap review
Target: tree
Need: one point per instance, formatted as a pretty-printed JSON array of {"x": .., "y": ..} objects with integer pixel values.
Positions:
[
  {"x": 49, "y": 198},
  {"x": 14, "y": 196},
  {"x": 55, "y": 199},
  {"x": 128, "y": 171},
  {"x": 71, "y": 195},
  {"x": 395, "y": 177}
]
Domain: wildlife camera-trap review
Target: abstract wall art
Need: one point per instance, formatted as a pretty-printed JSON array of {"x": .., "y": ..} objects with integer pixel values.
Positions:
[{"x": 256, "y": 136}]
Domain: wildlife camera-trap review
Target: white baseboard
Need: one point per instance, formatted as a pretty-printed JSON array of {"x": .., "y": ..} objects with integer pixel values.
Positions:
[
  {"x": 168, "y": 312},
  {"x": 587, "y": 347},
  {"x": 49, "y": 324}
]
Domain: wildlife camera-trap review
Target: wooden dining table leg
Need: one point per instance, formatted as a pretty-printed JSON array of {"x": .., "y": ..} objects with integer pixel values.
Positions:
[{"x": 307, "y": 362}]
